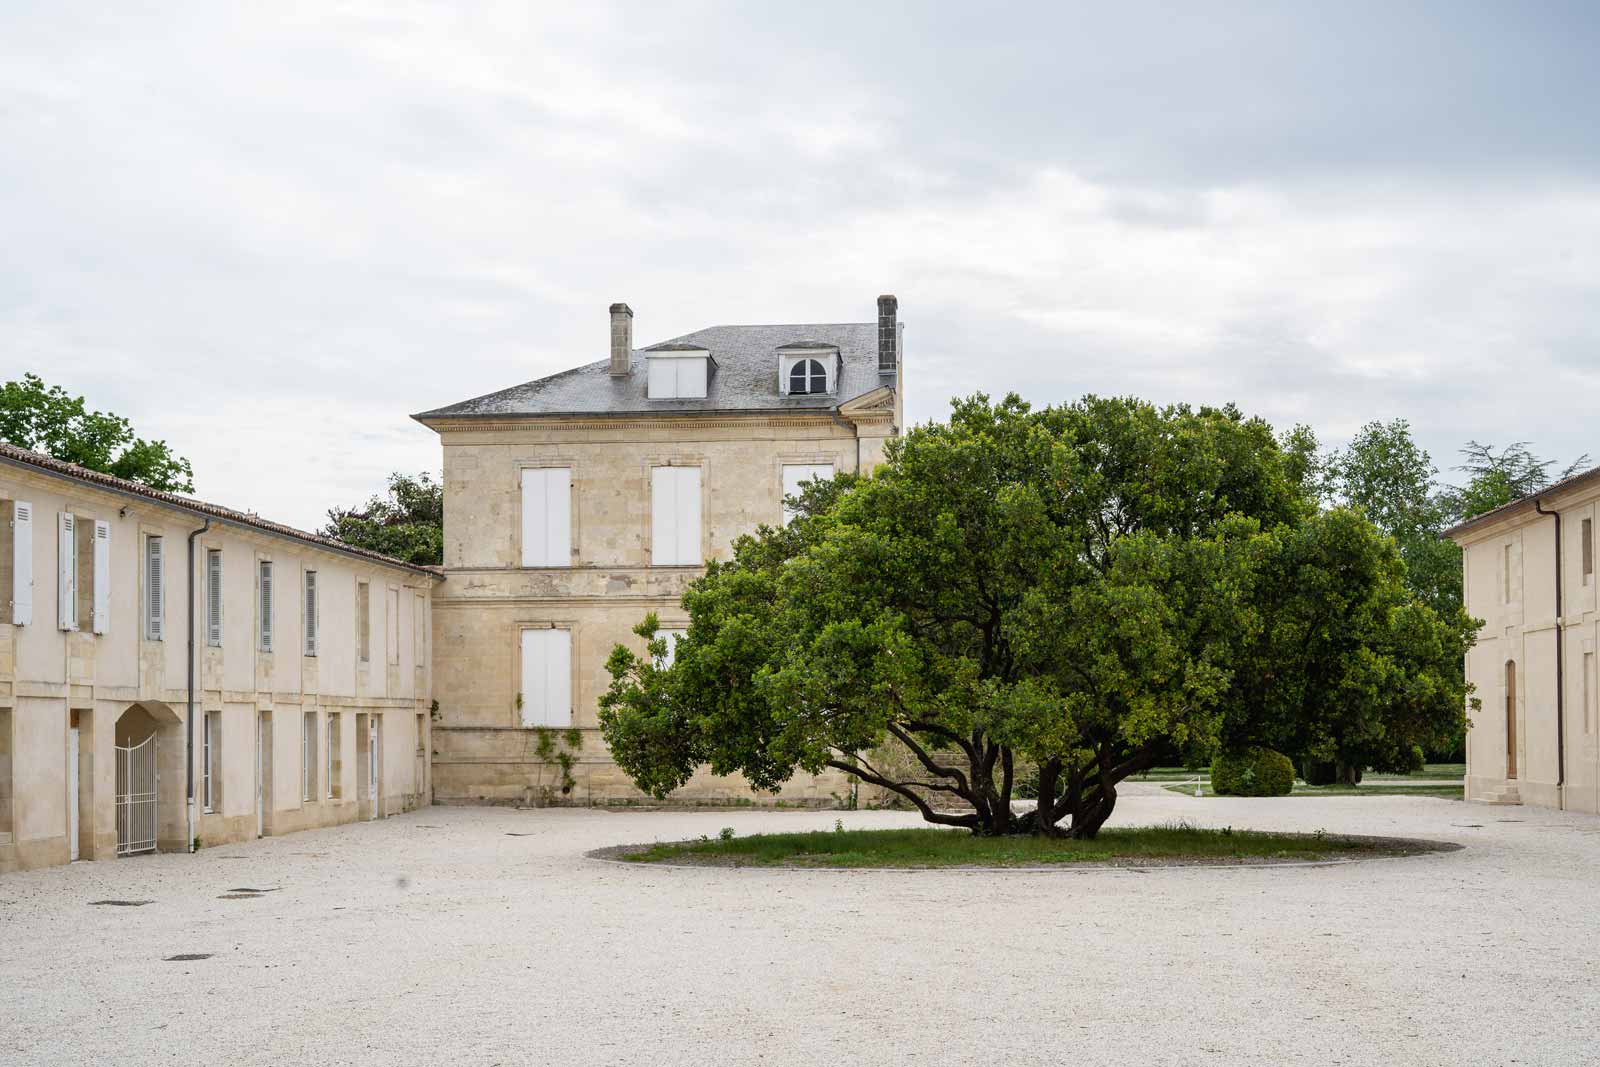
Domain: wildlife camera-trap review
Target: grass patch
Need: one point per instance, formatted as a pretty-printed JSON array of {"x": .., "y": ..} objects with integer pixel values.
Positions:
[
  {"x": 1392, "y": 788},
  {"x": 1169, "y": 845}
]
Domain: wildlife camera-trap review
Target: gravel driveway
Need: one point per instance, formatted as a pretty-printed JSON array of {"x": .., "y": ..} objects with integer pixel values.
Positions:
[{"x": 483, "y": 936}]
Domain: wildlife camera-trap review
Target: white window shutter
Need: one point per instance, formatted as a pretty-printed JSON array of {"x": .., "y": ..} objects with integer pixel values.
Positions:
[
  {"x": 691, "y": 377},
  {"x": 311, "y": 613},
  {"x": 795, "y": 474},
  {"x": 266, "y": 605},
  {"x": 546, "y": 678},
  {"x": 102, "y": 576},
  {"x": 671, "y": 637},
  {"x": 663, "y": 378},
  {"x": 558, "y": 516},
  {"x": 66, "y": 573},
  {"x": 663, "y": 516},
  {"x": 214, "y": 597},
  {"x": 155, "y": 581},
  {"x": 534, "y": 528},
  {"x": 21, "y": 563},
  {"x": 688, "y": 501}
]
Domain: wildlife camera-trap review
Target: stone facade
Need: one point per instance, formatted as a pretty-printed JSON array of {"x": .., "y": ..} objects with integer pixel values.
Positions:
[
  {"x": 483, "y": 752},
  {"x": 1536, "y": 738},
  {"x": 112, "y": 681}
]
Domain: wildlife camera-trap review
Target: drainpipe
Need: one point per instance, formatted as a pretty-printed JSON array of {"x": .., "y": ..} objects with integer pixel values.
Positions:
[
  {"x": 1561, "y": 685},
  {"x": 188, "y": 745}
]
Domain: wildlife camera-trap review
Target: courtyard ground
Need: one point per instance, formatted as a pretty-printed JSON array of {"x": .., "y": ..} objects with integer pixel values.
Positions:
[{"x": 485, "y": 936}]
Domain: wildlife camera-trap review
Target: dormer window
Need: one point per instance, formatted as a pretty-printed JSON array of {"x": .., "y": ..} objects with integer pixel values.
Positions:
[
  {"x": 808, "y": 368},
  {"x": 807, "y": 376},
  {"x": 677, "y": 372}
]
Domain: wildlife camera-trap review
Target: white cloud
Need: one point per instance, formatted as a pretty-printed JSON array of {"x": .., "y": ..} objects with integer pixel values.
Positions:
[{"x": 269, "y": 234}]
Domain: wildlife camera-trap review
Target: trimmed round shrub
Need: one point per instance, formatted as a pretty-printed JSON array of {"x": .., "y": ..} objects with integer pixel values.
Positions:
[{"x": 1254, "y": 772}]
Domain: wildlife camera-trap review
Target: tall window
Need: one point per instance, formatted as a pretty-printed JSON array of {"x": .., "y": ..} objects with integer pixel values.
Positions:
[
  {"x": 334, "y": 764},
  {"x": 671, "y": 637},
  {"x": 364, "y": 620},
  {"x": 308, "y": 756},
  {"x": 264, "y": 586},
  {"x": 807, "y": 376},
  {"x": 1588, "y": 691},
  {"x": 1588, "y": 551},
  {"x": 546, "y": 696},
  {"x": 674, "y": 516},
  {"x": 214, "y": 597},
  {"x": 547, "y": 517},
  {"x": 155, "y": 589},
  {"x": 311, "y": 613},
  {"x": 208, "y": 756},
  {"x": 797, "y": 474},
  {"x": 391, "y": 627},
  {"x": 1511, "y": 719}
]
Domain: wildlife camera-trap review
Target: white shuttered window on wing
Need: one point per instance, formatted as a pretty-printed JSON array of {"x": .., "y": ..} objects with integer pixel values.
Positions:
[
  {"x": 264, "y": 590},
  {"x": 214, "y": 597},
  {"x": 21, "y": 562},
  {"x": 66, "y": 572},
  {"x": 546, "y": 678},
  {"x": 675, "y": 516},
  {"x": 102, "y": 575},
  {"x": 546, "y": 517},
  {"x": 311, "y": 613},
  {"x": 155, "y": 589}
]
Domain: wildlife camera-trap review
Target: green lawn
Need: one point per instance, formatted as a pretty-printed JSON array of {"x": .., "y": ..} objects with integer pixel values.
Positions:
[
  {"x": 929, "y": 847},
  {"x": 1369, "y": 788}
]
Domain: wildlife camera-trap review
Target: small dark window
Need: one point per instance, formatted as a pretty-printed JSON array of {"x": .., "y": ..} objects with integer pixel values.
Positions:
[
  {"x": 807, "y": 376},
  {"x": 1588, "y": 549}
]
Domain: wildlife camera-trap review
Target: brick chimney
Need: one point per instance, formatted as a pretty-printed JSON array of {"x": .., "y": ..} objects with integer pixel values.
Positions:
[
  {"x": 888, "y": 334},
  {"x": 622, "y": 340}
]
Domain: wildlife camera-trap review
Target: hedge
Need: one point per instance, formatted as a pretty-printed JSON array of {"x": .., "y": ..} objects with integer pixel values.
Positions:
[{"x": 1254, "y": 772}]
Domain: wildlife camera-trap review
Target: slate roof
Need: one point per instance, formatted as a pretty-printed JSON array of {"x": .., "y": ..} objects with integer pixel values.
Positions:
[
  {"x": 745, "y": 378},
  {"x": 22, "y": 457}
]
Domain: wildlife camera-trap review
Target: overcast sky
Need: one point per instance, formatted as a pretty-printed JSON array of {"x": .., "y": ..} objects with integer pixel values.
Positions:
[{"x": 269, "y": 234}]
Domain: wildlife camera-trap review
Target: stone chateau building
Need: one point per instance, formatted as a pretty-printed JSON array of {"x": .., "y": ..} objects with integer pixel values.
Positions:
[
  {"x": 176, "y": 674},
  {"x": 126, "y": 615},
  {"x": 1529, "y": 573},
  {"x": 577, "y": 503}
]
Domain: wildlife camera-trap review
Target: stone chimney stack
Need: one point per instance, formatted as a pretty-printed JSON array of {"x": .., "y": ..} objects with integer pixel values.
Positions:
[
  {"x": 622, "y": 340},
  {"x": 888, "y": 334}
]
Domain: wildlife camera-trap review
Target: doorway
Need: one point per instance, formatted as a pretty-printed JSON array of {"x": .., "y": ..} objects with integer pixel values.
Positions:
[
  {"x": 73, "y": 826},
  {"x": 1511, "y": 719}
]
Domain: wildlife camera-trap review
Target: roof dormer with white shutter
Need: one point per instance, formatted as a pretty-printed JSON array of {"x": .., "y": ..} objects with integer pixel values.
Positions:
[{"x": 678, "y": 371}]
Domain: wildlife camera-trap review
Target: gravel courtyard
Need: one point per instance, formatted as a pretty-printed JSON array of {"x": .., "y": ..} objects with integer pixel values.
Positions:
[{"x": 484, "y": 936}]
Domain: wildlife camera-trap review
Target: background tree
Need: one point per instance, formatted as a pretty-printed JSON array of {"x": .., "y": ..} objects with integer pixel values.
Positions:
[
  {"x": 1499, "y": 476},
  {"x": 48, "y": 419},
  {"x": 407, "y": 522},
  {"x": 1385, "y": 473},
  {"x": 1077, "y": 587}
]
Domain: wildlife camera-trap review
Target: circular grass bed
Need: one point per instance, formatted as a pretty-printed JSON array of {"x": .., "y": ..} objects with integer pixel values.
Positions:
[{"x": 921, "y": 848}]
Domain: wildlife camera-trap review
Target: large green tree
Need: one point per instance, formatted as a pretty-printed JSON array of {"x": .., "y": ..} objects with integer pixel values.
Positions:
[
  {"x": 406, "y": 522},
  {"x": 48, "y": 419},
  {"x": 1077, "y": 587}
]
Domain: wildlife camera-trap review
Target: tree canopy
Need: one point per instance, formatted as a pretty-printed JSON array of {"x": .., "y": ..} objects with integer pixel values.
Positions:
[
  {"x": 1080, "y": 588},
  {"x": 48, "y": 419},
  {"x": 406, "y": 522}
]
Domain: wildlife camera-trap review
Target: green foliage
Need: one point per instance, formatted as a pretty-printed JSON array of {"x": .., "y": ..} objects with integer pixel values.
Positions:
[
  {"x": 407, "y": 522},
  {"x": 1087, "y": 588},
  {"x": 1254, "y": 772},
  {"x": 557, "y": 749},
  {"x": 47, "y": 419}
]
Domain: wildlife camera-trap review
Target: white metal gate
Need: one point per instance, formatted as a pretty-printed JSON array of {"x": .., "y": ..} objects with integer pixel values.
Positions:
[{"x": 136, "y": 797}]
